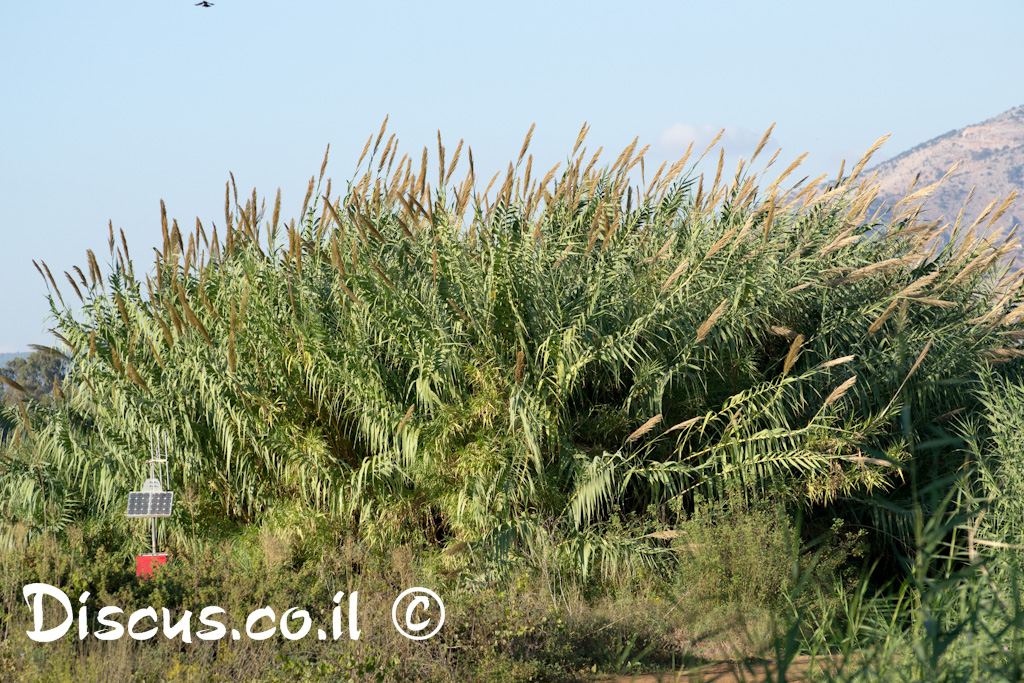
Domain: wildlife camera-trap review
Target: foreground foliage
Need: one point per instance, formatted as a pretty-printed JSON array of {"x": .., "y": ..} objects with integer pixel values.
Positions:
[{"x": 562, "y": 377}]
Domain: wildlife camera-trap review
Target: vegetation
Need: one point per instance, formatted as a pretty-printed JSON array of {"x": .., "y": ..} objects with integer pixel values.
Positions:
[
  {"x": 5, "y": 358},
  {"x": 584, "y": 395},
  {"x": 37, "y": 376}
]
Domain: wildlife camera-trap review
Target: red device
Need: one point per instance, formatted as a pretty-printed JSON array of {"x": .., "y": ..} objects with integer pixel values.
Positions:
[{"x": 145, "y": 564}]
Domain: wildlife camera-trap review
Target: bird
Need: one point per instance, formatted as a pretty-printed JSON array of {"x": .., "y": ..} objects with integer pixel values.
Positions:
[{"x": 204, "y": 3}]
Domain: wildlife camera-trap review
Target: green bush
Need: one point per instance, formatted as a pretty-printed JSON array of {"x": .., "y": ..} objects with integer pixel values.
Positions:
[{"x": 547, "y": 384}]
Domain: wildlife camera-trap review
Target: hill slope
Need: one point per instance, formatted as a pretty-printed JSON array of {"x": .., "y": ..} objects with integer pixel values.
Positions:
[{"x": 992, "y": 162}]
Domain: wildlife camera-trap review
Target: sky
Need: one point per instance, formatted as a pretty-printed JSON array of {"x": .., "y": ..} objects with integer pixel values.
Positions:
[{"x": 108, "y": 107}]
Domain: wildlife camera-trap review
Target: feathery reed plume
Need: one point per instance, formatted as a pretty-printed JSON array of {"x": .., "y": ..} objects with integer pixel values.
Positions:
[
  {"x": 920, "y": 357},
  {"x": 177, "y": 245},
  {"x": 362, "y": 155},
  {"x": 725, "y": 239},
  {"x": 764, "y": 141},
  {"x": 334, "y": 214},
  {"x": 705, "y": 328},
  {"x": 770, "y": 218},
  {"x": 154, "y": 351},
  {"x": 384, "y": 154},
  {"x": 713, "y": 143},
  {"x": 422, "y": 177},
  {"x": 718, "y": 171},
  {"x": 405, "y": 419},
  {"x": 491, "y": 184},
  {"x": 995, "y": 356},
  {"x": 458, "y": 310},
  {"x": 580, "y": 138},
  {"x": 593, "y": 161},
  {"x": 684, "y": 424},
  {"x": 520, "y": 365},
  {"x": 163, "y": 228},
  {"x": 53, "y": 282},
  {"x": 207, "y": 304},
  {"x": 529, "y": 169},
  {"x": 48, "y": 351},
  {"x": 122, "y": 308},
  {"x": 440, "y": 161},
  {"x": 176, "y": 319},
  {"x": 190, "y": 314},
  {"x": 24, "y": 416},
  {"x": 168, "y": 337},
  {"x": 134, "y": 375},
  {"x": 74, "y": 286},
  {"x": 232, "y": 334},
  {"x": 1003, "y": 208},
  {"x": 661, "y": 253},
  {"x": 115, "y": 359},
  {"x": 380, "y": 135},
  {"x": 644, "y": 428},
  {"x": 13, "y": 385},
  {"x": 940, "y": 303},
  {"x": 840, "y": 391},
  {"x": 836, "y": 361},
  {"x": 877, "y": 325},
  {"x": 350, "y": 294},
  {"x": 624, "y": 156},
  {"x": 454, "y": 163},
  {"x": 63, "y": 340},
  {"x": 638, "y": 159},
  {"x": 380, "y": 272},
  {"x": 867, "y": 156},
  {"x": 526, "y": 142},
  {"x": 40, "y": 270},
  {"x": 794, "y": 352},
  {"x": 277, "y": 211},
  {"x": 785, "y": 174},
  {"x": 323, "y": 164},
  {"x": 780, "y": 331}
]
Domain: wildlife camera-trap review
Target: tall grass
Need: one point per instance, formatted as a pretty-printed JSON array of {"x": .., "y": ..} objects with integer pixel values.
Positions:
[{"x": 503, "y": 369}]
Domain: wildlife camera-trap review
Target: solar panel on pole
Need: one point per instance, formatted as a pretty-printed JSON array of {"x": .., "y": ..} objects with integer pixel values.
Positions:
[
  {"x": 138, "y": 504},
  {"x": 160, "y": 504},
  {"x": 152, "y": 501}
]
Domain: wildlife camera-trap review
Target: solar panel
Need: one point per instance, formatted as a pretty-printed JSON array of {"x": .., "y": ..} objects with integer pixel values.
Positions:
[
  {"x": 138, "y": 504},
  {"x": 160, "y": 504},
  {"x": 143, "y": 504}
]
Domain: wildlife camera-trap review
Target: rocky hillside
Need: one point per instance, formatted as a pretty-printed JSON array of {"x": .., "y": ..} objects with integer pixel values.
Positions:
[{"x": 992, "y": 162}]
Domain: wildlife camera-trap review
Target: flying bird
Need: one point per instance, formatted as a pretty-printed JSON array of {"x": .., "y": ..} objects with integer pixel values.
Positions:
[{"x": 204, "y": 3}]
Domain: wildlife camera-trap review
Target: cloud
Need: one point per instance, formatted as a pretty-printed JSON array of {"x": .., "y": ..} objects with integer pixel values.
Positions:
[{"x": 735, "y": 139}]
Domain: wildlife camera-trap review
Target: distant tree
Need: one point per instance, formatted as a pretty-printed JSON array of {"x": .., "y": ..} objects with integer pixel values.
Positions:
[{"x": 35, "y": 375}]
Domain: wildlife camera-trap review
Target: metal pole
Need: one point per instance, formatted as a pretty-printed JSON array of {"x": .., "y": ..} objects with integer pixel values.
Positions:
[{"x": 153, "y": 520}]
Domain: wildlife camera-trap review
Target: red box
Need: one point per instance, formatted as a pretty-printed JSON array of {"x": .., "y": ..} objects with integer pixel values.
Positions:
[{"x": 145, "y": 564}]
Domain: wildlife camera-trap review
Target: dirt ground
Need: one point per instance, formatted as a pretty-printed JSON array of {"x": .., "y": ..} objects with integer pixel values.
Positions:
[{"x": 724, "y": 672}]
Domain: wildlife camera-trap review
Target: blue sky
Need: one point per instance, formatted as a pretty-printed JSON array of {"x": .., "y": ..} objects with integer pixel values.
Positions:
[{"x": 107, "y": 107}]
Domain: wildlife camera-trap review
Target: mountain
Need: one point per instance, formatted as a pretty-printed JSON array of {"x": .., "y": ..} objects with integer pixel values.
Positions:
[{"x": 992, "y": 162}]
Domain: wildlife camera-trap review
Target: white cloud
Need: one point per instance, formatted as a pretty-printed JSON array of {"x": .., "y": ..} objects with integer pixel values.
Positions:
[{"x": 735, "y": 139}]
